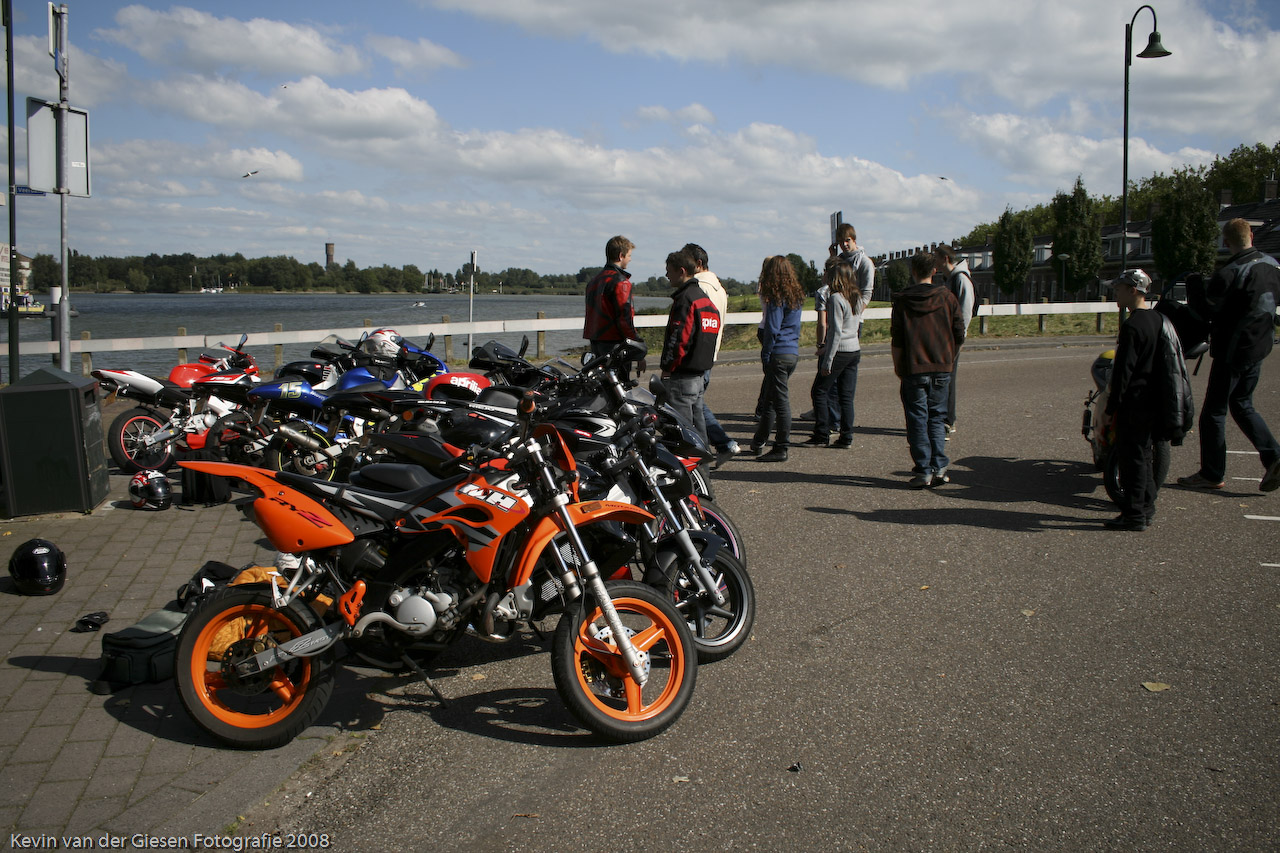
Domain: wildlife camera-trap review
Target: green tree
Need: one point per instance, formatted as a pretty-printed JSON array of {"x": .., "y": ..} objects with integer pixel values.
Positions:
[
  {"x": 136, "y": 281},
  {"x": 1184, "y": 231},
  {"x": 46, "y": 272},
  {"x": 1013, "y": 251},
  {"x": 1076, "y": 233},
  {"x": 1243, "y": 171},
  {"x": 806, "y": 272},
  {"x": 897, "y": 274}
]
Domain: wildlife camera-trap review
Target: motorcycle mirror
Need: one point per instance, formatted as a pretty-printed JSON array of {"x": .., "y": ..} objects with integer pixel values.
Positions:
[
  {"x": 431, "y": 340},
  {"x": 244, "y": 339},
  {"x": 587, "y": 357},
  {"x": 657, "y": 389},
  {"x": 524, "y": 346}
]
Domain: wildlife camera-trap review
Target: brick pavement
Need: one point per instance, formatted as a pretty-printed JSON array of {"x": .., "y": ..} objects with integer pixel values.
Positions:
[{"x": 76, "y": 763}]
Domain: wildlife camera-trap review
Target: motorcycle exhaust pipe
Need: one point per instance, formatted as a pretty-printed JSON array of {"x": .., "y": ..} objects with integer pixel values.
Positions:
[{"x": 299, "y": 438}]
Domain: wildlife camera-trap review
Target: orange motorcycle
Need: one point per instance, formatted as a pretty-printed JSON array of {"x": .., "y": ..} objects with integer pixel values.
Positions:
[{"x": 409, "y": 566}]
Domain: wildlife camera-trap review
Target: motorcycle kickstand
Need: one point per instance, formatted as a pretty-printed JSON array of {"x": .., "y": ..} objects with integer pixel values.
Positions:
[{"x": 444, "y": 703}]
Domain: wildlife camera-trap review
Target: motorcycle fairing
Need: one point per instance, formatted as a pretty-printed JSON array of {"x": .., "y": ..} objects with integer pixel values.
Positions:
[
  {"x": 478, "y": 513},
  {"x": 582, "y": 514},
  {"x": 292, "y": 521}
]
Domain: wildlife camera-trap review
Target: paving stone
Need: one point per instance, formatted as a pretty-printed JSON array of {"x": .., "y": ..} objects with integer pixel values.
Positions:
[
  {"x": 41, "y": 743},
  {"x": 115, "y": 776},
  {"x": 52, "y": 803},
  {"x": 91, "y": 812},
  {"x": 75, "y": 761}
]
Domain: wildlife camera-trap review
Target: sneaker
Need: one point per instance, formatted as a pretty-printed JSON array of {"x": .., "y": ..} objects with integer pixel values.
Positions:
[
  {"x": 756, "y": 449},
  {"x": 1271, "y": 480},
  {"x": 842, "y": 443},
  {"x": 1122, "y": 523},
  {"x": 731, "y": 450},
  {"x": 921, "y": 481},
  {"x": 778, "y": 454},
  {"x": 940, "y": 478},
  {"x": 817, "y": 441},
  {"x": 1195, "y": 481},
  {"x": 807, "y": 416}
]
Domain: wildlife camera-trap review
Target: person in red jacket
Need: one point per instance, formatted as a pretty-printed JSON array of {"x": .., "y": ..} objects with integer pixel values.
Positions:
[
  {"x": 689, "y": 344},
  {"x": 610, "y": 312}
]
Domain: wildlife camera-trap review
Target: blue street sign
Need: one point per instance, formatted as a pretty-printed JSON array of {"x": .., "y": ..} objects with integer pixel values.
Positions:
[{"x": 20, "y": 190}]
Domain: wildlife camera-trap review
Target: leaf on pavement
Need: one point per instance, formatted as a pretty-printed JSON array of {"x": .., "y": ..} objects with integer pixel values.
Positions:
[{"x": 1155, "y": 686}]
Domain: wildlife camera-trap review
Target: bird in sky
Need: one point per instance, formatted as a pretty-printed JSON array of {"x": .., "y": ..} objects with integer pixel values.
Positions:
[{"x": 249, "y": 174}]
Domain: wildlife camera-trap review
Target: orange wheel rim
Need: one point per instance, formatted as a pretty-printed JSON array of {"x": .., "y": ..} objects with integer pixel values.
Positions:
[
  {"x": 219, "y": 696},
  {"x": 606, "y": 653}
]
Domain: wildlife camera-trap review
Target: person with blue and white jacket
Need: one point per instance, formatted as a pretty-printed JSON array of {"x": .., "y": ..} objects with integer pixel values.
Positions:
[{"x": 781, "y": 299}]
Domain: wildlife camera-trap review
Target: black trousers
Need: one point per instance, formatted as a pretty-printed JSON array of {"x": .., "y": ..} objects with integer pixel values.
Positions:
[{"x": 1137, "y": 472}]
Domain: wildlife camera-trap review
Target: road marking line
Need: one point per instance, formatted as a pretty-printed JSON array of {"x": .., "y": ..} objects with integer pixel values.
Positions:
[
  {"x": 1242, "y": 452},
  {"x": 1263, "y": 517},
  {"x": 1270, "y": 565}
]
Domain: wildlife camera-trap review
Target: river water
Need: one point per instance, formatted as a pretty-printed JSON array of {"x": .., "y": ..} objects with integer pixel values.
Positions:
[{"x": 227, "y": 315}]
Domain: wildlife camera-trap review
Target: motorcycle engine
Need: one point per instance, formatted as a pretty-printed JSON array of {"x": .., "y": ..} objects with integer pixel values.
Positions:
[{"x": 423, "y": 610}]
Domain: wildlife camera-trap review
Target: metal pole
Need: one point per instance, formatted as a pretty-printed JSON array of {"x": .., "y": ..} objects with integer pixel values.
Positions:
[
  {"x": 13, "y": 221},
  {"x": 471, "y": 299},
  {"x": 1124, "y": 195},
  {"x": 64, "y": 169}
]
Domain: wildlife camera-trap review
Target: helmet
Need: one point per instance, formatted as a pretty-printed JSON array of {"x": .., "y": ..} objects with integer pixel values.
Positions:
[
  {"x": 1136, "y": 279},
  {"x": 383, "y": 342},
  {"x": 150, "y": 490},
  {"x": 38, "y": 567}
]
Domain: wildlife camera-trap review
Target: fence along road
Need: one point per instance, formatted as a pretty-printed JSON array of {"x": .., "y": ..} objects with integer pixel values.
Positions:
[{"x": 446, "y": 332}]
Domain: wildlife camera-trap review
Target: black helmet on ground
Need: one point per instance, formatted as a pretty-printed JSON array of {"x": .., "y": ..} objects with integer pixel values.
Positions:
[
  {"x": 38, "y": 567},
  {"x": 150, "y": 490}
]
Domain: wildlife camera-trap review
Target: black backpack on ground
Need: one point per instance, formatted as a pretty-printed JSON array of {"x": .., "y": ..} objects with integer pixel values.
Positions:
[{"x": 199, "y": 488}]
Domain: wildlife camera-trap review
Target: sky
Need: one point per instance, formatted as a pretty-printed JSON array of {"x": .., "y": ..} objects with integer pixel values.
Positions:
[{"x": 531, "y": 131}]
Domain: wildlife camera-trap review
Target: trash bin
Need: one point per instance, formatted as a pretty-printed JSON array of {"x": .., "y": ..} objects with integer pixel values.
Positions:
[{"x": 52, "y": 450}]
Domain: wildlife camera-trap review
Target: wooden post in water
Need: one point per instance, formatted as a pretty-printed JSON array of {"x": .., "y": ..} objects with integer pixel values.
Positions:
[
  {"x": 182, "y": 351},
  {"x": 86, "y": 357},
  {"x": 279, "y": 327},
  {"x": 542, "y": 338},
  {"x": 448, "y": 341}
]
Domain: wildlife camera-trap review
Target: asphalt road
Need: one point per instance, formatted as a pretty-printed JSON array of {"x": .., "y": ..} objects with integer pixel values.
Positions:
[{"x": 957, "y": 668}]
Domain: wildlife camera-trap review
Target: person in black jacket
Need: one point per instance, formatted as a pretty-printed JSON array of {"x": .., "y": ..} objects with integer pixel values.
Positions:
[
  {"x": 1133, "y": 400},
  {"x": 689, "y": 344},
  {"x": 1240, "y": 304}
]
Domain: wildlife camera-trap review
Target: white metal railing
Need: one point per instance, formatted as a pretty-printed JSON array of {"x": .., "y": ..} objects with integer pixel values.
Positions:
[{"x": 444, "y": 332}]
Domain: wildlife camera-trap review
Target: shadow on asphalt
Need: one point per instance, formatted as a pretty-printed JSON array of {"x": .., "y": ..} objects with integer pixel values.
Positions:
[{"x": 535, "y": 716}]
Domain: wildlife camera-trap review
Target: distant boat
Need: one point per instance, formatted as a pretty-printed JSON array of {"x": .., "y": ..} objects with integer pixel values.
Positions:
[
  {"x": 211, "y": 290},
  {"x": 26, "y": 307}
]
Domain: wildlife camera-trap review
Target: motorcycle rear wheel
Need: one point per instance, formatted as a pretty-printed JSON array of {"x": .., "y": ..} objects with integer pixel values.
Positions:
[
  {"x": 234, "y": 437},
  {"x": 718, "y": 630},
  {"x": 1160, "y": 456},
  {"x": 283, "y": 455},
  {"x": 593, "y": 679},
  {"x": 262, "y": 711},
  {"x": 125, "y": 442}
]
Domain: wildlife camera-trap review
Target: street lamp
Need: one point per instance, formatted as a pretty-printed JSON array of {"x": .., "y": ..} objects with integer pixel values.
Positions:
[
  {"x": 1154, "y": 50},
  {"x": 1062, "y": 259}
]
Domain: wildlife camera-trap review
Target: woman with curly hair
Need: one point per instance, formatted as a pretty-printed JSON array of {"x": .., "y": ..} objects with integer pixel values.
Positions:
[{"x": 781, "y": 298}]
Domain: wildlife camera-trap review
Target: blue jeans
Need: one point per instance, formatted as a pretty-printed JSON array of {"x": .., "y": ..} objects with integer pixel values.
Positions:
[
  {"x": 835, "y": 393},
  {"x": 684, "y": 393},
  {"x": 716, "y": 436},
  {"x": 1231, "y": 389},
  {"x": 924, "y": 402},
  {"x": 775, "y": 401}
]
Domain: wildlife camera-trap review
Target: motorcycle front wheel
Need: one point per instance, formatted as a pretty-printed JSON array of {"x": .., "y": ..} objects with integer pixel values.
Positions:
[
  {"x": 259, "y": 711},
  {"x": 284, "y": 455},
  {"x": 126, "y": 442},
  {"x": 718, "y": 629},
  {"x": 593, "y": 679}
]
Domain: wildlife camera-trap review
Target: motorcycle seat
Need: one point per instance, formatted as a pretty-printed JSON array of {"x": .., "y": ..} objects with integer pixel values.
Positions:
[{"x": 392, "y": 477}]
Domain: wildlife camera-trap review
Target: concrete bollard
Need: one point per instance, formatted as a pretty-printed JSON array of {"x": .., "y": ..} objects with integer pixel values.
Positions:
[
  {"x": 279, "y": 348},
  {"x": 1041, "y": 319},
  {"x": 182, "y": 351},
  {"x": 982, "y": 320},
  {"x": 542, "y": 338}
]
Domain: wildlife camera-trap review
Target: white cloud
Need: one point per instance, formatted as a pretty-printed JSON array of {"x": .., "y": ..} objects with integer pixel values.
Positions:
[
  {"x": 409, "y": 55},
  {"x": 191, "y": 39},
  {"x": 691, "y": 114},
  {"x": 92, "y": 80},
  {"x": 161, "y": 164}
]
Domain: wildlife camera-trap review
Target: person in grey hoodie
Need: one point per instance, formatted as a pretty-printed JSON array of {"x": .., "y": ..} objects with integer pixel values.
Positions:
[
  {"x": 959, "y": 282},
  {"x": 839, "y": 356}
]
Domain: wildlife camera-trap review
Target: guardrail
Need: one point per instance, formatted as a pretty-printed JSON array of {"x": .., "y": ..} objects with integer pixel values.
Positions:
[{"x": 446, "y": 332}]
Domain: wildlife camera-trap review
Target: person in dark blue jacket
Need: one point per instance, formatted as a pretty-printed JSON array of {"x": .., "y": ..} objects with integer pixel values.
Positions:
[{"x": 781, "y": 297}]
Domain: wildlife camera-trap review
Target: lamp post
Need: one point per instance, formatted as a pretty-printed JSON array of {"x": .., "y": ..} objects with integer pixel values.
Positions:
[
  {"x": 1154, "y": 50},
  {"x": 1062, "y": 259}
]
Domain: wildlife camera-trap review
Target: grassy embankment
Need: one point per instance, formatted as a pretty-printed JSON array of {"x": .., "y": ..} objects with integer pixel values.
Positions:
[{"x": 877, "y": 331}]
